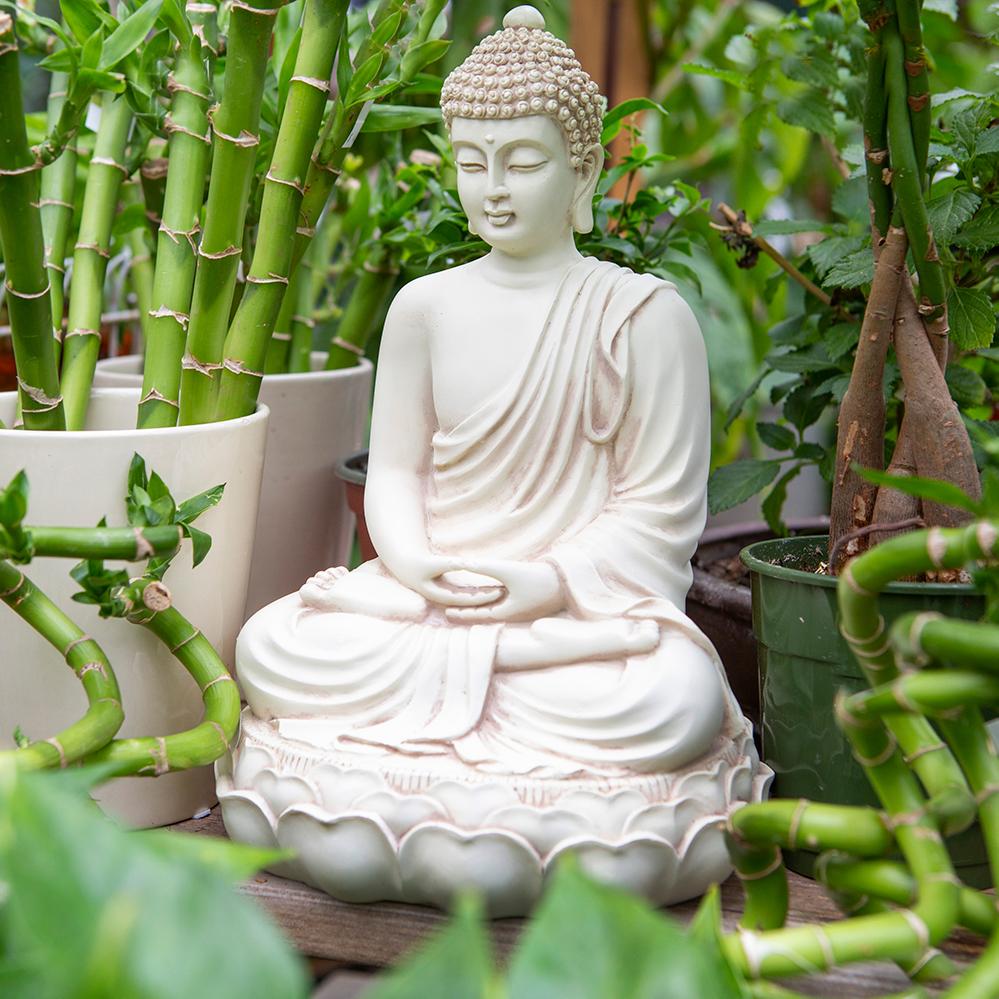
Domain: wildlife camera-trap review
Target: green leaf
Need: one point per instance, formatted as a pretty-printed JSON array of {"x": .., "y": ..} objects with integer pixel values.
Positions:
[
  {"x": 201, "y": 543},
  {"x": 949, "y": 211},
  {"x": 773, "y": 504},
  {"x": 730, "y": 76},
  {"x": 234, "y": 861},
  {"x": 967, "y": 388},
  {"x": 14, "y": 501},
  {"x": 456, "y": 964},
  {"x": 946, "y": 7},
  {"x": 137, "y": 473},
  {"x": 810, "y": 110},
  {"x": 806, "y": 403},
  {"x": 840, "y": 339},
  {"x": 972, "y": 318},
  {"x": 90, "y": 55},
  {"x": 130, "y": 34},
  {"x": 982, "y": 232},
  {"x": 832, "y": 249},
  {"x": 172, "y": 15},
  {"x": 987, "y": 141},
  {"x": 732, "y": 484},
  {"x": 288, "y": 69},
  {"x": 813, "y": 358},
  {"x": 944, "y": 493},
  {"x": 60, "y": 61},
  {"x": 742, "y": 398},
  {"x": 590, "y": 941},
  {"x": 363, "y": 75},
  {"x": 420, "y": 55},
  {"x": 851, "y": 271},
  {"x": 130, "y": 218},
  {"x": 195, "y": 506},
  {"x": 84, "y": 17},
  {"x": 787, "y": 227},
  {"x": 387, "y": 29},
  {"x": 614, "y": 118},
  {"x": 395, "y": 117},
  {"x": 775, "y": 436}
]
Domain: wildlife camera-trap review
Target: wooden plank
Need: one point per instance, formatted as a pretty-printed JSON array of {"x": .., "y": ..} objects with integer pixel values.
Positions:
[{"x": 381, "y": 934}]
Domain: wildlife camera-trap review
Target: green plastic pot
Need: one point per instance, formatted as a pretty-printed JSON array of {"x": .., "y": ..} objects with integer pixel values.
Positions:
[{"x": 804, "y": 661}]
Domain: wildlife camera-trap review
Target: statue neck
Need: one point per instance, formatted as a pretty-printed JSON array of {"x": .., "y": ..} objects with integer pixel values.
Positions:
[{"x": 532, "y": 270}]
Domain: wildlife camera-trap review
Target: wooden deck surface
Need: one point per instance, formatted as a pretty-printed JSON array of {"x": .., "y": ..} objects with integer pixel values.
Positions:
[{"x": 339, "y": 934}]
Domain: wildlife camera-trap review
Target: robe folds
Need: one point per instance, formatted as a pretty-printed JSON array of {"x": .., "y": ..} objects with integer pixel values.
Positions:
[{"x": 594, "y": 458}]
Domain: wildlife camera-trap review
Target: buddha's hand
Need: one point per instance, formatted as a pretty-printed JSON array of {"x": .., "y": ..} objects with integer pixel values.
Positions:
[
  {"x": 532, "y": 590},
  {"x": 424, "y": 574}
]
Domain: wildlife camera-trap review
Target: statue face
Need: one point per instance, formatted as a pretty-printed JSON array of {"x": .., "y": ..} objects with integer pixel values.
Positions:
[{"x": 515, "y": 181}]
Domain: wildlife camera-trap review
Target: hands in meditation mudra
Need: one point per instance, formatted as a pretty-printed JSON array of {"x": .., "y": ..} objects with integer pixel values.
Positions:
[{"x": 513, "y": 677}]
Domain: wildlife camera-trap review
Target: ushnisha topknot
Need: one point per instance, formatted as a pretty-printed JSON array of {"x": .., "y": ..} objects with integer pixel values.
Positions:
[{"x": 523, "y": 70}]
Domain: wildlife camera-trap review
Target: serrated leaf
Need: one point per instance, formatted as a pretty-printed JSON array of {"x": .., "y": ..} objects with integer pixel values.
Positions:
[
  {"x": 841, "y": 339},
  {"x": 806, "y": 403},
  {"x": 972, "y": 318},
  {"x": 129, "y": 35},
  {"x": 737, "y": 482},
  {"x": 950, "y": 210},
  {"x": 730, "y": 76},
  {"x": 981, "y": 233},
  {"x": 825, "y": 254},
  {"x": 851, "y": 271},
  {"x": 987, "y": 141},
  {"x": 742, "y": 398},
  {"x": 849, "y": 200},
  {"x": 775, "y": 436},
  {"x": 811, "y": 359},
  {"x": 967, "y": 387},
  {"x": 773, "y": 503},
  {"x": 810, "y": 110}
]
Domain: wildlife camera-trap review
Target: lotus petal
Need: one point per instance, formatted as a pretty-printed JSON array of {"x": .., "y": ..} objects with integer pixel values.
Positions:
[
  {"x": 469, "y": 804},
  {"x": 669, "y": 821},
  {"x": 740, "y": 783},
  {"x": 401, "y": 812},
  {"x": 543, "y": 828},
  {"x": 642, "y": 864},
  {"x": 607, "y": 814},
  {"x": 706, "y": 785},
  {"x": 281, "y": 791},
  {"x": 249, "y": 761},
  {"x": 351, "y": 857},
  {"x": 704, "y": 860},
  {"x": 438, "y": 862},
  {"x": 339, "y": 789}
]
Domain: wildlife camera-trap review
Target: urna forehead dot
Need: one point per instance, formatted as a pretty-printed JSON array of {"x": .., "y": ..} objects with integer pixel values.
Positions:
[{"x": 524, "y": 16}]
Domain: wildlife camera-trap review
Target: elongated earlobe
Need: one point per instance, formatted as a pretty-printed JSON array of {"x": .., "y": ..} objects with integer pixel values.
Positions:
[{"x": 589, "y": 174}]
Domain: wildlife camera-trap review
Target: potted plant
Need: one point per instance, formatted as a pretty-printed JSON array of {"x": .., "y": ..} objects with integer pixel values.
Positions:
[
  {"x": 903, "y": 380},
  {"x": 155, "y": 70}
]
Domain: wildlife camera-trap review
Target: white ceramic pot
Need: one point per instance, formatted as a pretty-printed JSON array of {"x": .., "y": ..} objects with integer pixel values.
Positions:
[
  {"x": 75, "y": 479},
  {"x": 304, "y": 523}
]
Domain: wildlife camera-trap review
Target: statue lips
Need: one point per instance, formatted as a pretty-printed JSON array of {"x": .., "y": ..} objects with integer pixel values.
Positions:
[{"x": 500, "y": 218}]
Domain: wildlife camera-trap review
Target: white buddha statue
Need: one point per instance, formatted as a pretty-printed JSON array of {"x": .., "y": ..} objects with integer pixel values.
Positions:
[{"x": 514, "y": 675}]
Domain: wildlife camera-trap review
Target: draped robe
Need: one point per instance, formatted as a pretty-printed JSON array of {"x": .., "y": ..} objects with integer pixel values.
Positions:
[{"x": 594, "y": 458}]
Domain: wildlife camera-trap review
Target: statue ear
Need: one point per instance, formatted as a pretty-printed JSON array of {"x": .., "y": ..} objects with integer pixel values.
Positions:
[{"x": 588, "y": 174}]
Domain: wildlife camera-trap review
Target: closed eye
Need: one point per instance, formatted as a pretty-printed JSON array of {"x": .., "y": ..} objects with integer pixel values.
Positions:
[
  {"x": 527, "y": 167},
  {"x": 472, "y": 167}
]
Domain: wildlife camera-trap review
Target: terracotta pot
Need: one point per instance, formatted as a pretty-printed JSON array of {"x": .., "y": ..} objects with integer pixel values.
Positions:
[
  {"x": 304, "y": 523},
  {"x": 75, "y": 479}
]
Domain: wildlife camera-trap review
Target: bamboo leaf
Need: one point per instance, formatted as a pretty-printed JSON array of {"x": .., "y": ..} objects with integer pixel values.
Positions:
[
  {"x": 395, "y": 117},
  {"x": 972, "y": 318},
  {"x": 363, "y": 75},
  {"x": 944, "y": 493},
  {"x": 60, "y": 61},
  {"x": 194, "y": 507},
  {"x": 733, "y": 484},
  {"x": 137, "y": 472},
  {"x": 129, "y": 35},
  {"x": 201, "y": 543},
  {"x": 387, "y": 30},
  {"x": 421, "y": 55},
  {"x": 90, "y": 55},
  {"x": 84, "y": 17},
  {"x": 172, "y": 15},
  {"x": 288, "y": 70},
  {"x": 729, "y": 76}
]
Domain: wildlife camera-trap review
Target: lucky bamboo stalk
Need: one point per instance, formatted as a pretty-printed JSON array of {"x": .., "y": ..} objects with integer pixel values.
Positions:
[
  {"x": 367, "y": 301},
  {"x": 28, "y": 299},
  {"x": 234, "y": 125},
  {"x": 250, "y": 333},
  {"x": 153, "y": 178},
  {"x": 279, "y": 348},
  {"x": 129, "y": 543},
  {"x": 149, "y": 602},
  {"x": 82, "y": 342},
  {"x": 83, "y": 655},
  {"x": 176, "y": 249},
  {"x": 56, "y": 204},
  {"x": 140, "y": 267}
]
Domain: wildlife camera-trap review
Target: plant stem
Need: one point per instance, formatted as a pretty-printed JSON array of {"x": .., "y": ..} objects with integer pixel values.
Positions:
[
  {"x": 82, "y": 342},
  {"x": 176, "y": 253},
  {"x": 279, "y": 348},
  {"x": 83, "y": 655},
  {"x": 235, "y": 125},
  {"x": 152, "y": 756},
  {"x": 28, "y": 301},
  {"x": 250, "y": 333},
  {"x": 367, "y": 300},
  {"x": 56, "y": 205},
  {"x": 879, "y": 196},
  {"x": 129, "y": 543},
  {"x": 917, "y": 80},
  {"x": 140, "y": 270}
]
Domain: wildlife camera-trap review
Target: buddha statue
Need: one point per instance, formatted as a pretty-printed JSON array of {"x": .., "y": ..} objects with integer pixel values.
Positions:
[{"x": 514, "y": 677}]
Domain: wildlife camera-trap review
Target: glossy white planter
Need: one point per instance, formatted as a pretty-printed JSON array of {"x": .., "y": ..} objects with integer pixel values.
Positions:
[
  {"x": 75, "y": 479},
  {"x": 304, "y": 523}
]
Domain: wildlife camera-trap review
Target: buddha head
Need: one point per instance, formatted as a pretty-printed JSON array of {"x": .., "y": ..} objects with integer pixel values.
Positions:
[{"x": 525, "y": 122}]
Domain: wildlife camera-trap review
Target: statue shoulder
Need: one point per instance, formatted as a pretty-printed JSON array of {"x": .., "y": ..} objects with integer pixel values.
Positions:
[
  {"x": 665, "y": 326},
  {"x": 418, "y": 299}
]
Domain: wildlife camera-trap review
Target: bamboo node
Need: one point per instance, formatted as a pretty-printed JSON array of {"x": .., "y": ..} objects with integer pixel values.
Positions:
[
  {"x": 92, "y": 668},
  {"x": 877, "y": 156},
  {"x": 224, "y": 678},
  {"x": 271, "y": 278},
  {"x": 171, "y": 127},
  {"x": 986, "y": 536},
  {"x": 143, "y": 549},
  {"x": 825, "y": 945},
  {"x": 305, "y": 230},
  {"x": 229, "y": 251},
  {"x": 281, "y": 336},
  {"x": 245, "y": 139},
  {"x": 918, "y": 927},
  {"x": 876, "y": 761},
  {"x": 930, "y": 747},
  {"x": 175, "y": 87},
  {"x": 9, "y": 593},
  {"x": 73, "y": 644},
  {"x": 796, "y": 817},
  {"x": 191, "y": 363},
  {"x": 774, "y": 865},
  {"x": 262, "y": 12},
  {"x": 221, "y": 731},
  {"x": 108, "y": 162},
  {"x": 854, "y": 640},
  {"x": 161, "y": 763},
  {"x": 81, "y": 331},
  {"x": 347, "y": 345},
  {"x": 54, "y": 202},
  {"x": 20, "y": 171},
  {"x": 886, "y": 176},
  {"x": 190, "y": 638},
  {"x": 182, "y": 318},
  {"x": 305, "y": 321},
  {"x": 901, "y": 697},
  {"x": 95, "y": 248},
  {"x": 156, "y": 596},
  {"x": 294, "y": 184},
  {"x": 63, "y": 760},
  {"x": 49, "y": 265},
  {"x": 323, "y": 86},
  {"x": 46, "y": 403},
  {"x": 928, "y": 955},
  {"x": 325, "y": 167},
  {"x": 847, "y": 575},
  {"x": 237, "y": 367},
  {"x": 154, "y": 395},
  {"x": 27, "y": 295},
  {"x": 986, "y": 792}
]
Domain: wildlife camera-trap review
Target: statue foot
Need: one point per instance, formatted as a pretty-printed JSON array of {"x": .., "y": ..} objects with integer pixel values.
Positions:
[
  {"x": 555, "y": 641},
  {"x": 318, "y": 591}
]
